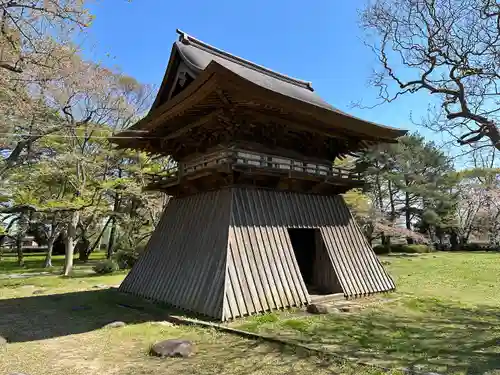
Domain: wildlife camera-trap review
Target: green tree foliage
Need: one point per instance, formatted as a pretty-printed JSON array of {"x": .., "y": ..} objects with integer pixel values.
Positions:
[
  {"x": 409, "y": 184},
  {"x": 71, "y": 180}
]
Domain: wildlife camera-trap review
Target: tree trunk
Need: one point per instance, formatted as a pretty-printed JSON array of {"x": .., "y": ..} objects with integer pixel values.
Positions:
[
  {"x": 112, "y": 233},
  {"x": 83, "y": 249},
  {"x": 391, "y": 201},
  {"x": 380, "y": 201},
  {"x": 409, "y": 240},
  {"x": 111, "y": 243},
  {"x": 98, "y": 239},
  {"x": 464, "y": 240},
  {"x": 48, "y": 257},
  {"x": 22, "y": 229},
  {"x": 70, "y": 243},
  {"x": 454, "y": 240},
  {"x": 2, "y": 241},
  {"x": 19, "y": 248}
]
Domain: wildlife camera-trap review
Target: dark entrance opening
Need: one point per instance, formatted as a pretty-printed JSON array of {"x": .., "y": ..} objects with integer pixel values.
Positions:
[
  {"x": 304, "y": 248},
  {"x": 314, "y": 262}
]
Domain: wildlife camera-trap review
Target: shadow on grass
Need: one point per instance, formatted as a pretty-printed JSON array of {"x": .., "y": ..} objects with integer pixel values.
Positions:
[
  {"x": 49, "y": 316},
  {"x": 56, "y": 316},
  {"x": 416, "y": 333}
]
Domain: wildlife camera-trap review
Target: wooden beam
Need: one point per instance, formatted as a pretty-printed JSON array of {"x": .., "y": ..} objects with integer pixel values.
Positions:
[
  {"x": 223, "y": 97},
  {"x": 265, "y": 117},
  {"x": 200, "y": 122}
]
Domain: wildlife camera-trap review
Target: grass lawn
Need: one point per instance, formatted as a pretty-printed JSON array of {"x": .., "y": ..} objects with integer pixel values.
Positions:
[
  {"x": 54, "y": 326},
  {"x": 444, "y": 317},
  {"x": 34, "y": 263}
]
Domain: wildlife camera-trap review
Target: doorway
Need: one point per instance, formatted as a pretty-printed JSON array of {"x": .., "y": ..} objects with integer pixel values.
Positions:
[
  {"x": 314, "y": 263},
  {"x": 304, "y": 248}
]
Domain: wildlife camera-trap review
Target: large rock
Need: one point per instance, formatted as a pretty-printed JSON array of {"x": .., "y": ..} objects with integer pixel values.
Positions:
[
  {"x": 172, "y": 348},
  {"x": 316, "y": 308},
  {"x": 3, "y": 341},
  {"x": 117, "y": 324}
]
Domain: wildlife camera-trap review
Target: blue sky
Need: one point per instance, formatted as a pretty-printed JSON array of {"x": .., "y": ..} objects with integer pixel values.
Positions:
[{"x": 318, "y": 41}]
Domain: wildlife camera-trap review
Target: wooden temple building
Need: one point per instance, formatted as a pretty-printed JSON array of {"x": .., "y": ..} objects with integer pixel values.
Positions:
[{"x": 256, "y": 221}]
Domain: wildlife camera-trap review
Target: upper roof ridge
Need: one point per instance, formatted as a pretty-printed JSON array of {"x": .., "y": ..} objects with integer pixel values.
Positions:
[{"x": 188, "y": 39}]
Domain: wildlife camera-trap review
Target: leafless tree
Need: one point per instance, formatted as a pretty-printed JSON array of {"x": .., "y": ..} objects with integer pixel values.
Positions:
[{"x": 448, "y": 48}]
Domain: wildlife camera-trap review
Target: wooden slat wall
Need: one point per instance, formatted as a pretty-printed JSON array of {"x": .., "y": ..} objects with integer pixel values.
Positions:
[
  {"x": 185, "y": 260},
  {"x": 227, "y": 253},
  {"x": 263, "y": 273},
  {"x": 324, "y": 276},
  {"x": 259, "y": 220},
  {"x": 358, "y": 268}
]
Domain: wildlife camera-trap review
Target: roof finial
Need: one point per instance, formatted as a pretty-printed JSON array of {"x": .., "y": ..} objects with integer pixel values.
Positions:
[{"x": 183, "y": 37}]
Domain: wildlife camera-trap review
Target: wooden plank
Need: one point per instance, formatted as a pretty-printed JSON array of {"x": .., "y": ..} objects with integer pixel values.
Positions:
[
  {"x": 282, "y": 215},
  {"x": 264, "y": 261},
  {"x": 234, "y": 294},
  {"x": 179, "y": 270},
  {"x": 283, "y": 295},
  {"x": 250, "y": 253},
  {"x": 242, "y": 262}
]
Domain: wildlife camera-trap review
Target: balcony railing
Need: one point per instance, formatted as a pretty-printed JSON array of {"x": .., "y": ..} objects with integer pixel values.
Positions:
[{"x": 243, "y": 158}]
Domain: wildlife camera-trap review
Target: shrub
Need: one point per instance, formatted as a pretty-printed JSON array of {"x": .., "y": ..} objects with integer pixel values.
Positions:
[
  {"x": 106, "y": 267},
  {"x": 402, "y": 248},
  {"x": 126, "y": 259},
  {"x": 474, "y": 246},
  {"x": 416, "y": 249},
  {"x": 380, "y": 249}
]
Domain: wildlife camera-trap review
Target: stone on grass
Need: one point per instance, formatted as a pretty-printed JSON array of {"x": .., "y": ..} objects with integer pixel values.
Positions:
[
  {"x": 316, "y": 308},
  {"x": 116, "y": 324},
  {"x": 38, "y": 291},
  {"x": 3, "y": 341},
  {"x": 172, "y": 348},
  {"x": 350, "y": 308},
  {"x": 163, "y": 323}
]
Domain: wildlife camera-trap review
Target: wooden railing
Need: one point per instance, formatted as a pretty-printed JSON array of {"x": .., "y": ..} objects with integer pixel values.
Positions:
[{"x": 257, "y": 160}]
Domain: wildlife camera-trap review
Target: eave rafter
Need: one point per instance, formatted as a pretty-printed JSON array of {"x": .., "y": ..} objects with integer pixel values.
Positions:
[{"x": 241, "y": 105}]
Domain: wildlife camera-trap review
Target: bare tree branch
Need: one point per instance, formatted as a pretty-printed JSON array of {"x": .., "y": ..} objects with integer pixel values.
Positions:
[{"x": 452, "y": 48}]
